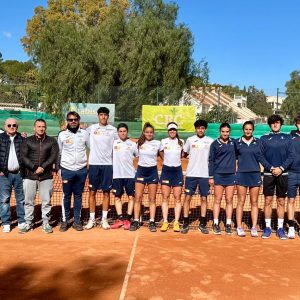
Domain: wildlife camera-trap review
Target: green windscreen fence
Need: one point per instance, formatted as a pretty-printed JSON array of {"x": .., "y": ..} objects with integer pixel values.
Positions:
[{"x": 26, "y": 119}]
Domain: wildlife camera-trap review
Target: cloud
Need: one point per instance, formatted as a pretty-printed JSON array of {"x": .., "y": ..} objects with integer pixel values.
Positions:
[{"x": 7, "y": 34}]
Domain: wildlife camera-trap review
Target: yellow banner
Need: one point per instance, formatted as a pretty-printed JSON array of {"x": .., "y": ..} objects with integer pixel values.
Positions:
[{"x": 160, "y": 116}]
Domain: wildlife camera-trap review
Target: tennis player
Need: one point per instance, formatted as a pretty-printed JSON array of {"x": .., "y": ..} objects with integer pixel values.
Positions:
[
  {"x": 277, "y": 149},
  {"x": 248, "y": 176},
  {"x": 124, "y": 152},
  {"x": 171, "y": 175},
  {"x": 146, "y": 175},
  {"x": 222, "y": 168},
  {"x": 102, "y": 136},
  {"x": 197, "y": 147}
]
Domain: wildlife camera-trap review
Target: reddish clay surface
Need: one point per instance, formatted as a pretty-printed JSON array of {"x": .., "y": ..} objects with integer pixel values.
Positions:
[{"x": 92, "y": 265}]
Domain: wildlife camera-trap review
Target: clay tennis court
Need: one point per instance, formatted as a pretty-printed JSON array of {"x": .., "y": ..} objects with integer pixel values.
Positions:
[
  {"x": 118, "y": 264},
  {"x": 96, "y": 264}
]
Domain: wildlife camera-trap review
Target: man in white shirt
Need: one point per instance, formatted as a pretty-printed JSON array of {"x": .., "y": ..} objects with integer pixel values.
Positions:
[
  {"x": 124, "y": 152},
  {"x": 197, "y": 147},
  {"x": 72, "y": 144},
  {"x": 102, "y": 136},
  {"x": 10, "y": 175}
]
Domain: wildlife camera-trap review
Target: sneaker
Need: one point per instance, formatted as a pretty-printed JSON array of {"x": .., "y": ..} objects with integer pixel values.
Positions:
[
  {"x": 77, "y": 226},
  {"x": 203, "y": 229},
  {"x": 6, "y": 228},
  {"x": 176, "y": 227},
  {"x": 47, "y": 228},
  {"x": 240, "y": 232},
  {"x": 185, "y": 228},
  {"x": 64, "y": 227},
  {"x": 266, "y": 233},
  {"x": 104, "y": 224},
  {"x": 126, "y": 225},
  {"x": 228, "y": 229},
  {"x": 118, "y": 223},
  {"x": 291, "y": 233},
  {"x": 90, "y": 224},
  {"x": 135, "y": 225},
  {"x": 164, "y": 227},
  {"x": 281, "y": 234},
  {"x": 152, "y": 226},
  {"x": 216, "y": 229},
  {"x": 26, "y": 228},
  {"x": 254, "y": 232}
]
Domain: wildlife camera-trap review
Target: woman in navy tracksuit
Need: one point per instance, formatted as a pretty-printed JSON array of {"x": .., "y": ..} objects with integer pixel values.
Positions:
[
  {"x": 248, "y": 175},
  {"x": 222, "y": 167}
]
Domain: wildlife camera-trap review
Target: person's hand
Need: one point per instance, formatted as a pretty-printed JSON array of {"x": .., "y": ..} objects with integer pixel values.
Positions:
[
  {"x": 276, "y": 171},
  {"x": 39, "y": 170},
  {"x": 1, "y": 173},
  {"x": 24, "y": 134}
]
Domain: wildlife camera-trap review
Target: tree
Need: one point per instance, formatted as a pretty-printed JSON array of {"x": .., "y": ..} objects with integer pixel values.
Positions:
[
  {"x": 257, "y": 102},
  {"x": 291, "y": 105},
  {"x": 156, "y": 53},
  {"x": 233, "y": 90},
  {"x": 135, "y": 55},
  {"x": 17, "y": 71},
  {"x": 86, "y": 13},
  {"x": 220, "y": 114}
]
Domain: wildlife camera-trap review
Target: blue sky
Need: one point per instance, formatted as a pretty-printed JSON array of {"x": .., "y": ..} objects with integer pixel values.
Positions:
[{"x": 245, "y": 42}]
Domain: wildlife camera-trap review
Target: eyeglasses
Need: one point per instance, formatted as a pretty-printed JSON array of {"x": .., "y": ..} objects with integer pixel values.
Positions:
[
  {"x": 72, "y": 120},
  {"x": 11, "y": 125}
]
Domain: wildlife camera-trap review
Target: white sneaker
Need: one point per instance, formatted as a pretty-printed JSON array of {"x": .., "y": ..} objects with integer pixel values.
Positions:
[
  {"x": 254, "y": 232},
  {"x": 90, "y": 224},
  {"x": 240, "y": 232},
  {"x": 291, "y": 233},
  {"x": 6, "y": 228},
  {"x": 105, "y": 224},
  {"x": 21, "y": 225}
]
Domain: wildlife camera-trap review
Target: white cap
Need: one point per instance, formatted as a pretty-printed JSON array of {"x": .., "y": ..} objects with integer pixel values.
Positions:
[{"x": 172, "y": 126}]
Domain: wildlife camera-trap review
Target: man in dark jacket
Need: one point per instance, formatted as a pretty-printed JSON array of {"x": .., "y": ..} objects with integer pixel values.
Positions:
[
  {"x": 10, "y": 174},
  {"x": 39, "y": 153}
]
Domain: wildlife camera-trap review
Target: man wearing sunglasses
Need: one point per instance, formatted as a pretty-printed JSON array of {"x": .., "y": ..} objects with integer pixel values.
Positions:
[
  {"x": 72, "y": 144},
  {"x": 10, "y": 175}
]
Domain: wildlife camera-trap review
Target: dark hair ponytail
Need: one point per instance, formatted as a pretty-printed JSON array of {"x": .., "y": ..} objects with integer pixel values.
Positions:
[
  {"x": 180, "y": 143},
  {"x": 142, "y": 138}
]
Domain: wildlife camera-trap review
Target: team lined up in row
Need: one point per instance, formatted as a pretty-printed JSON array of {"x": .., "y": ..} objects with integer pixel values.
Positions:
[{"x": 221, "y": 164}]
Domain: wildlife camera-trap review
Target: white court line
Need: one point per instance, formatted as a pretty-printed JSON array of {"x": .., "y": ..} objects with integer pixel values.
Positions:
[{"x": 125, "y": 282}]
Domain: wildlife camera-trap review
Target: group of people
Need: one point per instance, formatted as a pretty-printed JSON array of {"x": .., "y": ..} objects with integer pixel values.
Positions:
[{"x": 27, "y": 163}]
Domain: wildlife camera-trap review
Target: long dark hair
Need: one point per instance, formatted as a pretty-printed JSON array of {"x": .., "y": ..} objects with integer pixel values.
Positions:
[
  {"x": 142, "y": 138},
  {"x": 180, "y": 143}
]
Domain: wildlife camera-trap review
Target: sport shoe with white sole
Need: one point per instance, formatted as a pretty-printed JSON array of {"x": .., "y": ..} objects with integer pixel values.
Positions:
[
  {"x": 47, "y": 228},
  {"x": 6, "y": 228},
  {"x": 104, "y": 224},
  {"x": 26, "y": 228},
  {"x": 240, "y": 232},
  {"x": 216, "y": 229},
  {"x": 176, "y": 226},
  {"x": 254, "y": 232},
  {"x": 203, "y": 229},
  {"x": 164, "y": 227},
  {"x": 266, "y": 233},
  {"x": 90, "y": 224},
  {"x": 281, "y": 234},
  {"x": 228, "y": 229},
  {"x": 291, "y": 233}
]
